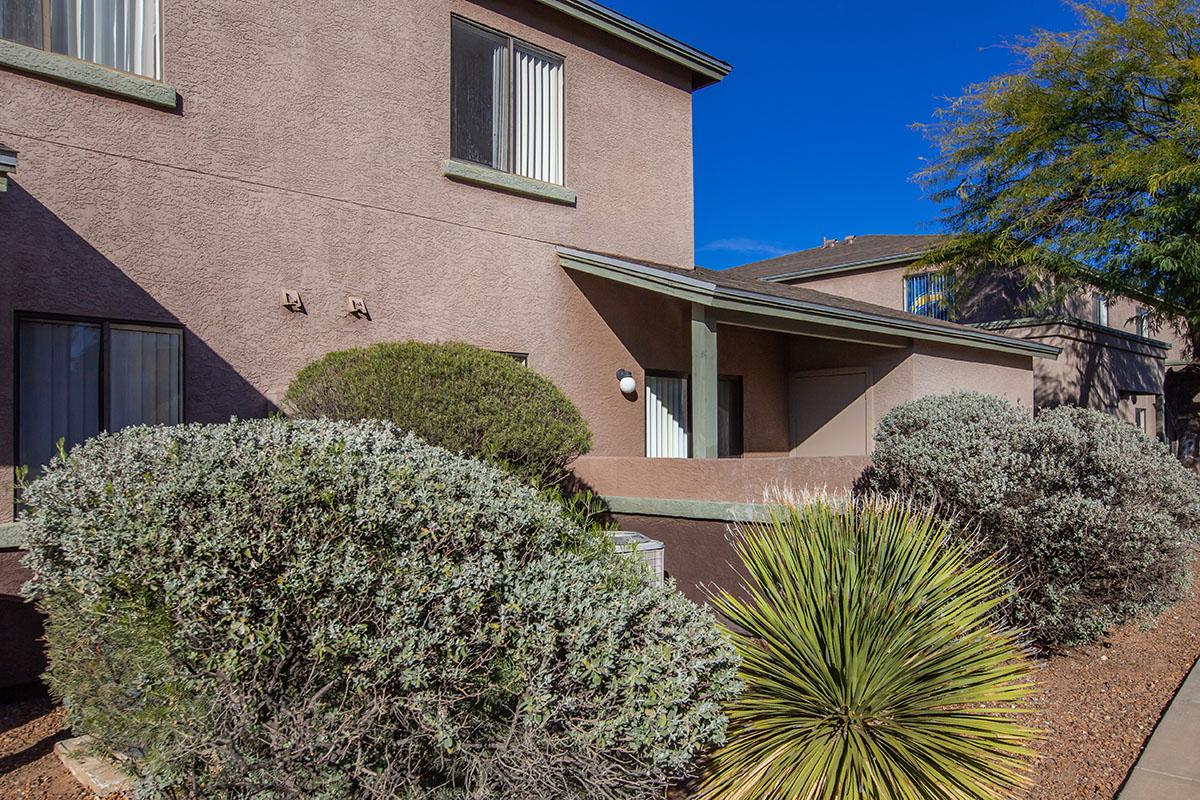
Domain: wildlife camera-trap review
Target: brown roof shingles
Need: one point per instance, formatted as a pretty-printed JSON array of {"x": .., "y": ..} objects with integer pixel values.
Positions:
[{"x": 844, "y": 253}]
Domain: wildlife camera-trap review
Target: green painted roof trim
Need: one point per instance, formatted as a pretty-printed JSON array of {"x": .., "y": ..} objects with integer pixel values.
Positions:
[
  {"x": 688, "y": 509},
  {"x": 479, "y": 175},
  {"x": 67, "y": 69},
  {"x": 1074, "y": 322},
  {"x": 708, "y": 69},
  {"x": 854, "y": 266},
  {"x": 713, "y": 295},
  {"x": 12, "y": 535}
]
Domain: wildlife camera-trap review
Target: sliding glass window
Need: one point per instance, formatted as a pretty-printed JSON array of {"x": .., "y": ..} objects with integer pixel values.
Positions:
[
  {"x": 506, "y": 103},
  {"x": 122, "y": 34},
  {"x": 77, "y": 378}
]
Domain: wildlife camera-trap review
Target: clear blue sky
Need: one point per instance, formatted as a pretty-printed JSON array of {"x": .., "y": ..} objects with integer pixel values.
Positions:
[{"x": 811, "y": 135}]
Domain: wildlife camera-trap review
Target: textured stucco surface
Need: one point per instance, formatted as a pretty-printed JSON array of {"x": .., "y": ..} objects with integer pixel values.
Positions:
[
  {"x": 308, "y": 156},
  {"x": 729, "y": 480},
  {"x": 697, "y": 552},
  {"x": 1095, "y": 369}
]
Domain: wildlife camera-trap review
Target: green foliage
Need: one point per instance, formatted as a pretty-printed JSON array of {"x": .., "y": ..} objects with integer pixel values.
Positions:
[
  {"x": 466, "y": 399},
  {"x": 873, "y": 667},
  {"x": 1097, "y": 516},
  {"x": 1084, "y": 165},
  {"x": 337, "y": 610}
]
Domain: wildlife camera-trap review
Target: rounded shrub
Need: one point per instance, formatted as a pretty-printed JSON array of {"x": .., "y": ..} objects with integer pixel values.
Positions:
[
  {"x": 466, "y": 399},
  {"x": 338, "y": 610},
  {"x": 1098, "y": 518},
  {"x": 873, "y": 664}
]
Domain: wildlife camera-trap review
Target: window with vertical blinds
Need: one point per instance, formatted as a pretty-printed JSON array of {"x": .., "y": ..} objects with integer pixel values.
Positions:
[
  {"x": 144, "y": 379},
  {"x": 506, "y": 103},
  {"x": 122, "y": 34},
  {"x": 666, "y": 417},
  {"x": 929, "y": 294},
  {"x": 77, "y": 378}
]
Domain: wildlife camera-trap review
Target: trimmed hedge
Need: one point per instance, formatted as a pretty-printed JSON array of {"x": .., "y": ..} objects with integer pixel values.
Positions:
[
  {"x": 466, "y": 399},
  {"x": 334, "y": 610},
  {"x": 1098, "y": 518}
]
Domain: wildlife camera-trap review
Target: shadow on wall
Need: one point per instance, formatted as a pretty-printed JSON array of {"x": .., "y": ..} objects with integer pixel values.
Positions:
[
  {"x": 50, "y": 269},
  {"x": 46, "y": 268},
  {"x": 1097, "y": 379},
  {"x": 654, "y": 329}
]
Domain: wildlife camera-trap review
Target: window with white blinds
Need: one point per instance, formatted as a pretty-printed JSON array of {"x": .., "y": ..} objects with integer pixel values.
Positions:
[
  {"x": 537, "y": 115},
  {"x": 122, "y": 34},
  {"x": 506, "y": 103},
  {"x": 666, "y": 417},
  {"x": 77, "y": 378}
]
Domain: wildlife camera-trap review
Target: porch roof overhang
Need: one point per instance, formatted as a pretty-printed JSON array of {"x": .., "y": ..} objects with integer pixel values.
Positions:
[
  {"x": 8, "y": 163},
  {"x": 816, "y": 313}
]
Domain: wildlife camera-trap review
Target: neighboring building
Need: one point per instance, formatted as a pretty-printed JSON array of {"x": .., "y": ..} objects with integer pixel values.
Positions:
[
  {"x": 1112, "y": 359},
  {"x": 202, "y": 202}
]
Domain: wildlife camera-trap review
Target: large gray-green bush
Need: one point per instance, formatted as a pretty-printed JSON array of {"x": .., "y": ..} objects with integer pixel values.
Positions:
[
  {"x": 1098, "y": 518},
  {"x": 337, "y": 610}
]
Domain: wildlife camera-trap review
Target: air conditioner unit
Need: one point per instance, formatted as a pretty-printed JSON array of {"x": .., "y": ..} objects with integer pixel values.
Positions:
[{"x": 652, "y": 553}]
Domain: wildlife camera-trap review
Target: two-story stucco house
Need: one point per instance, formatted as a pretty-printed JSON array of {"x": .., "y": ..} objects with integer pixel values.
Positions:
[
  {"x": 203, "y": 197},
  {"x": 1111, "y": 358}
]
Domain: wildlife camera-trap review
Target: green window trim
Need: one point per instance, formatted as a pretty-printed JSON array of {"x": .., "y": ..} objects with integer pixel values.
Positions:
[
  {"x": 479, "y": 175},
  {"x": 67, "y": 69}
]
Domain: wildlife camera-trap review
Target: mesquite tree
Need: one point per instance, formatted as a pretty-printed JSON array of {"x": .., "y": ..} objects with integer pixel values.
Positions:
[{"x": 1082, "y": 167}]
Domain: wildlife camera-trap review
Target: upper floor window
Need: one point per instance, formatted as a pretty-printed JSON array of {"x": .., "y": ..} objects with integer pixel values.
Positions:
[
  {"x": 506, "y": 103},
  {"x": 929, "y": 294},
  {"x": 1141, "y": 322},
  {"x": 122, "y": 34},
  {"x": 1099, "y": 309}
]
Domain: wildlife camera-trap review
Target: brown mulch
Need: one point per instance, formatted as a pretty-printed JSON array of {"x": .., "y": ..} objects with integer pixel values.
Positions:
[
  {"x": 29, "y": 769},
  {"x": 1099, "y": 704},
  {"x": 1096, "y": 704}
]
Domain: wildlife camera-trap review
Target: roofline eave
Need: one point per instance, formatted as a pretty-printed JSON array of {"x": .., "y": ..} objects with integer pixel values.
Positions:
[
  {"x": 706, "y": 69},
  {"x": 712, "y": 295}
]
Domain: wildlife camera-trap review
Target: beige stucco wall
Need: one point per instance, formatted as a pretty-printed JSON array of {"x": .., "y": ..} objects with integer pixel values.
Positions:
[
  {"x": 727, "y": 480},
  {"x": 307, "y": 155},
  {"x": 1094, "y": 369}
]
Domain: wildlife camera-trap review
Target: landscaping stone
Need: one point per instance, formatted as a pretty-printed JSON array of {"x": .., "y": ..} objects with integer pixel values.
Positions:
[{"x": 100, "y": 776}]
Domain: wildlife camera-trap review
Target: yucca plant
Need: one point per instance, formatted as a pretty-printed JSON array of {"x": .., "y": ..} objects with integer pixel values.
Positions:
[{"x": 872, "y": 664}]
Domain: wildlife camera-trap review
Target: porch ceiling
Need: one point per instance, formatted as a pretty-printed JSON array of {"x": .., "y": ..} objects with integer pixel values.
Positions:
[{"x": 792, "y": 309}]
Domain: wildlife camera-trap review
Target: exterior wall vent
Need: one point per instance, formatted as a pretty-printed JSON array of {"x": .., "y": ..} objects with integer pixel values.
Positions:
[{"x": 651, "y": 552}]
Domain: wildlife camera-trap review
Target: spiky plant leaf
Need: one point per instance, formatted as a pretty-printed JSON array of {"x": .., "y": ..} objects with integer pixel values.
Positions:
[{"x": 873, "y": 667}]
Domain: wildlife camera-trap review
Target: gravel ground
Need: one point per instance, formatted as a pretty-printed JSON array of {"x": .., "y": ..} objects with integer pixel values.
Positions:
[
  {"x": 1096, "y": 704},
  {"x": 29, "y": 769}
]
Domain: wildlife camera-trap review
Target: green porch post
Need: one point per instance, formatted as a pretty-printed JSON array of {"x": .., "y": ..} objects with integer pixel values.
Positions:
[{"x": 704, "y": 382}]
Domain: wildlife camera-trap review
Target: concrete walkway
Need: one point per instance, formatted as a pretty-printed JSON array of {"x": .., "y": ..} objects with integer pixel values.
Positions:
[{"x": 1169, "y": 768}]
